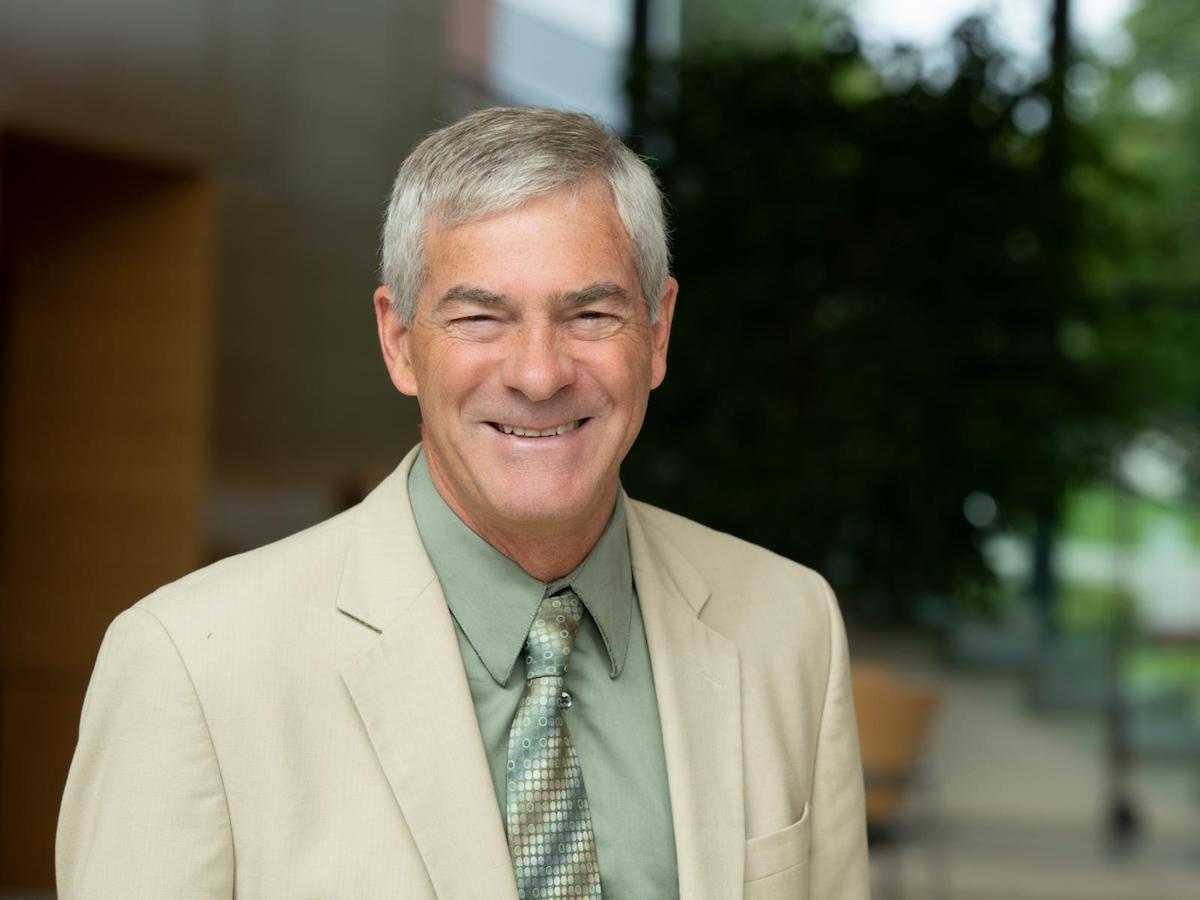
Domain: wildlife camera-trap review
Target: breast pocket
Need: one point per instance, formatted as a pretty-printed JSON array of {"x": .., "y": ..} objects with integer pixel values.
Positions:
[{"x": 777, "y": 863}]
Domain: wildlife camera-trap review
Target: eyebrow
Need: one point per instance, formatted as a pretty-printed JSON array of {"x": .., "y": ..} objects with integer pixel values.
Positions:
[
  {"x": 462, "y": 293},
  {"x": 601, "y": 290}
]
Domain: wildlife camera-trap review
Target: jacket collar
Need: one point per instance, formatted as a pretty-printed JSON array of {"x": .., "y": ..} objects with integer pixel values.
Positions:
[{"x": 386, "y": 566}]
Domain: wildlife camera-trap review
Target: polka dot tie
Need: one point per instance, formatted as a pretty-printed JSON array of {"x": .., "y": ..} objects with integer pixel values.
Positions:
[{"x": 549, "y": 823}]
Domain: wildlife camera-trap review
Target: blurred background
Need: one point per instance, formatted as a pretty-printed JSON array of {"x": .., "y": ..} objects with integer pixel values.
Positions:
[{"x": 938, "y": 338}]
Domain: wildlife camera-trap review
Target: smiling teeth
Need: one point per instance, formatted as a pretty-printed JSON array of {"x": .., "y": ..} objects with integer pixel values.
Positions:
[{"x": 545, "y": 432}]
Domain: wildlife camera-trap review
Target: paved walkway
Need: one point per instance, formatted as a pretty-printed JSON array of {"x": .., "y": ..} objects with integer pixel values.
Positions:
[{"x": 1020, "y": 800}]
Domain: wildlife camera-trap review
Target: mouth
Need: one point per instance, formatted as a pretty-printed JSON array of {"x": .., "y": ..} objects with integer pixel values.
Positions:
[{"x": 550, "y": 431}]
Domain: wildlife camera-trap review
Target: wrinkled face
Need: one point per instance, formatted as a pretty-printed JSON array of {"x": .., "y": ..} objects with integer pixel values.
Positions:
[{"x": 532, "y": 357}]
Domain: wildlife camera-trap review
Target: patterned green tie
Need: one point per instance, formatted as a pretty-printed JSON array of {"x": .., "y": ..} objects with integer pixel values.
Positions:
[{"x": 549, "y": 824}]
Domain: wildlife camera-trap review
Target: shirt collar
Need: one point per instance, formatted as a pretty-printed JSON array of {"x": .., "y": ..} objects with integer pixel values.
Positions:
[{"x": 494, "y": 600}]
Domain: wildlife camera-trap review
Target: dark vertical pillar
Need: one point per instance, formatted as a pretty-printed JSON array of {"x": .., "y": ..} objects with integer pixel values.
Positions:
[
  {"x": 1060, "y": 60},
  {"x": 1043, "y": 588},
  {"x": 639, "y": 64},
  {"x": 1055, "y": 162},
  {"x": 1123, "y": 824}
]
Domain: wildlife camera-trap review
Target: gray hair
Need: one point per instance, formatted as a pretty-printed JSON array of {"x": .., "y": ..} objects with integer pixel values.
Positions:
[{"x": 495, "y": 160}]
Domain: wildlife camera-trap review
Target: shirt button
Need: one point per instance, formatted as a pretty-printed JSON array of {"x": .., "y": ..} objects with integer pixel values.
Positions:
[{"x": 564, "y": 700}]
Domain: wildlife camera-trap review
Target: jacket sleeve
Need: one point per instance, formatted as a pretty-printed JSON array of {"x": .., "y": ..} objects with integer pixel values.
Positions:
[
  {"x": 838, "y": 854},
  {"x": 144, "y": 813}
]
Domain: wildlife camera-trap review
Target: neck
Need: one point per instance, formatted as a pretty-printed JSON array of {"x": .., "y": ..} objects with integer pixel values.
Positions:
[
  {"x": 544, "y": 554},
  {"x": 546, "y": 550}
]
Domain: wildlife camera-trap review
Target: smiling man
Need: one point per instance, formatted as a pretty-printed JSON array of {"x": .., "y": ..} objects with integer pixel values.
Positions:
[
  {"x": 498, "y": 676},
  {"x": 532, "y": 354}
]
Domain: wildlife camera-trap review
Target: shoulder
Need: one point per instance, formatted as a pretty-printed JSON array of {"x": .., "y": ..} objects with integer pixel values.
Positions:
[
  {"x": 750, "y": 587},
  {"x": 267, "y": 582}
]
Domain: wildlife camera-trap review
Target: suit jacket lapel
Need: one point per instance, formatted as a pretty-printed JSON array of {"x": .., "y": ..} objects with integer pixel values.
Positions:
[
  {"x": 699, "y": 702},
  {"x": 412, "y": 695}
]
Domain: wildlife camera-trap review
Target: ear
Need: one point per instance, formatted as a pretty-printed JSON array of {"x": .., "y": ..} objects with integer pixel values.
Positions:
[
  {"x": 394, "y": 342},
  {"x": 660, "y": 332}
]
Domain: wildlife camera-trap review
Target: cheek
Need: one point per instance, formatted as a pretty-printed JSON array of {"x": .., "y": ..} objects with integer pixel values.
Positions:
[
  {"x": 626, "y": 385},
  {"x": 452, "y": 373}
]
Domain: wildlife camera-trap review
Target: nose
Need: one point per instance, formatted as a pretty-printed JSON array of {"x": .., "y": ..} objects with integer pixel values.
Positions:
[{"x": 539, "y": 363}]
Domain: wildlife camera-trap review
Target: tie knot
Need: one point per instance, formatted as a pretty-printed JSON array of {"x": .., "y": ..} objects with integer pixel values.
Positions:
[{"x": 552, "y": 635}]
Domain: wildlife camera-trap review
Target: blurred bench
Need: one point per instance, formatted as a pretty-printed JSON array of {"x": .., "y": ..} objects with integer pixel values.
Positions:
[{"x": 895, "y": 719}]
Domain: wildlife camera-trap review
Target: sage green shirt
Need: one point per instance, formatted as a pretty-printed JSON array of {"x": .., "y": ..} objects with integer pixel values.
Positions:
[{"x": 613, "y": 720}]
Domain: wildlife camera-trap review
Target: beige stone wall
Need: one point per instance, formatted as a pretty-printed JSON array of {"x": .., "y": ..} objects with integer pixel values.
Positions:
[
  {"x": 190, "y": 195},
  {"x": 301, "y": 112}
]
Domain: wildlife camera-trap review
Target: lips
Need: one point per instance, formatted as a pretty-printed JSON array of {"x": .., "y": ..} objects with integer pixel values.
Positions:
[{"x": 531, "y": 432}]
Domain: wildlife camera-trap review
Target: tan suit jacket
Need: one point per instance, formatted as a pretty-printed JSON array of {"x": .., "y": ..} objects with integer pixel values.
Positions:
[{"x": 295, "y": 722}]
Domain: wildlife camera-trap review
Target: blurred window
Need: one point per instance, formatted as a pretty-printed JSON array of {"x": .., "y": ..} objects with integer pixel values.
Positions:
[{"x": 569, "y": 54}]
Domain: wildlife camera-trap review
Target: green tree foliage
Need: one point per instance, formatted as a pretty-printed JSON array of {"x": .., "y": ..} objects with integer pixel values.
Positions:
[
  {"x": 1144, "y": 227},
  {"x": 1149, "y": 114},
  {"x": 882, "y": 312}
]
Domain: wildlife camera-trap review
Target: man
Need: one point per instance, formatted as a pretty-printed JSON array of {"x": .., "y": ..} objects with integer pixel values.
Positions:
[{"x": 497, "y": 676}]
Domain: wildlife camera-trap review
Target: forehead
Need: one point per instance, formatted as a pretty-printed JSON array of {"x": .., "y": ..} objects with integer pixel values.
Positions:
[{"x": 572, "y": 233}]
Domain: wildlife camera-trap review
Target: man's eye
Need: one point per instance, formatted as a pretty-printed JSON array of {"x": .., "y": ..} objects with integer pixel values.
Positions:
[
  {"x": 592, "y": 316},
  {"x": 475, "y": 322},
  {"x": 481, "y": 326}
]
